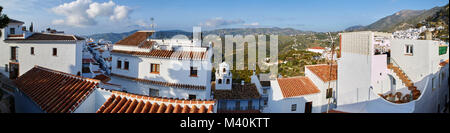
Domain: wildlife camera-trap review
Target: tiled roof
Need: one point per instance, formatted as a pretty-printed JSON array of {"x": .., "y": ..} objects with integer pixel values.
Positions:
[
  {"x": 15, "y": 21},
  {"x": 136, "y": 38},
  {"x": 44, "y": 36},
  {"x": 187, "y": 55},
  {"x": 238, "y": 91},
  {"x": 297, "y": 86},
  {"x": 444, "y": 63},
  {"x": 54, "y": 91},
  {"x": 120, "y": 102},
  {"x": 146, "y": 44},
  {"x": 167, "y": 84},
  {"x": 323, "y": 71},
  {"x": 102, "y": 78}
]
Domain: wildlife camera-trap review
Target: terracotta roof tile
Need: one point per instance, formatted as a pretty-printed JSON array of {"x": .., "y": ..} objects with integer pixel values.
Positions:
[
  {"x": 176, "y": 85},
  {"x": 135, "y": 39},
  {"x": 238, "y": 91},
  {"x": 323, "y": 71},
  {"x": 297, "y": 86},
  {"x": 102, "y": 78},
  {"x": 185, "y": 55},
  {"x": 54, "y": 91},
  {"x": 120, "y": 102},
  {"x": 444, "y": 63},
  {"x": 45, "y": 36}
]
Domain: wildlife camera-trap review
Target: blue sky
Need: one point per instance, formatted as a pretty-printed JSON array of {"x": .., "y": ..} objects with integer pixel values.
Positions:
[{"x": 99, "y": 16}]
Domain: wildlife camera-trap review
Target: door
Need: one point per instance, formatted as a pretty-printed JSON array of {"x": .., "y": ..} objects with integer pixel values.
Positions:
[
  {"x": 13, "y": 70},
  {"x": 308, "y": 107}
]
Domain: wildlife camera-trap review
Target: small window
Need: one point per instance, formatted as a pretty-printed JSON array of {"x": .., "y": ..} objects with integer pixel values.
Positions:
[
  {"x": 154, "y": 68},
  {"x": 228, "y": 81},
  {"x": 192, "y": 97},
  {"x": 55, "y": 52},
  {"x": 6, "y": 68},
  {"x": 409, "y": 49},
  {"x": 119, "y": 64},
  {"x": 153, "y": 92},
  {"x": 329, "y": 93},
  {"x": 13, "y": 53},
  {"x": 294, "y": 107},
  {"x": 219, "y": 81},
  {"x": 265, "y": 102},
  {"x": 12, "y": 31},
  {"x": 126, "y": 65},
  {"x": 32, "y": 50},
  {"x": 224, "y": 70},
  {"x": 193, "y": 71}
]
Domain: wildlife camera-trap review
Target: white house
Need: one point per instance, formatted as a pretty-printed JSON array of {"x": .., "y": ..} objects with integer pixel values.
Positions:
[
  {"x": 313, "y": 93},
  {"x": 21, "y": 50},
  {"x": 412, "y": 76},
  {"x": 293, "y": 95},
  {"x": 175, "y": 68}
]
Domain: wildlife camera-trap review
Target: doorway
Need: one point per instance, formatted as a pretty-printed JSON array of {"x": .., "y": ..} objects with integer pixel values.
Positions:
[
  {"x": 308, "y": 107},
  {"x": 13, "y": 70}
]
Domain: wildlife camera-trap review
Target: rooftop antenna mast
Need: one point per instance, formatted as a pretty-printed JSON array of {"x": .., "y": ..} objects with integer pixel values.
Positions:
[
  {"x": 331, "y": 70},
  {"x": 153, "y": 26}
]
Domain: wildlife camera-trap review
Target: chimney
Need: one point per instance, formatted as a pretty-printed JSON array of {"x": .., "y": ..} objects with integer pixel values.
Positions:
[{"x": 428, "y": 35}]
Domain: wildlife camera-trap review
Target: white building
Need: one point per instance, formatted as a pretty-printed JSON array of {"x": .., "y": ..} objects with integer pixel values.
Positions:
[
  {"x": 56, "y": 93},
  {"x": 412, "y": 77},
  {"x": 320, "y": 50},
  {"x": 314, "y": 93},
  {"x": 176, "y": 68},
  {"x": 21, "y": 50}
]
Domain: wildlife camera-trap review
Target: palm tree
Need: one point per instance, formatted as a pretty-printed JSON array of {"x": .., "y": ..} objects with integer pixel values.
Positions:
[{"x": 4, "y": 20}]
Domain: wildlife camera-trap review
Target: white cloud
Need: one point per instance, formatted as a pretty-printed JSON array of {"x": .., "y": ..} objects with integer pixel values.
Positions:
[
  {"x": 120, "y": 12},
  {"x": 217, "y": 22},
  {"x": 252, "y": 24},
  {"x": 81, "y": 13},
  {"x": 101, "y": 9},
  {"x": 58, "y": 21}
]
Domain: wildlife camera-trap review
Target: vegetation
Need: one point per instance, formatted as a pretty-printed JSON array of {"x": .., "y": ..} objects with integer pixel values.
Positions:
[{"x": 4, "y": 20}]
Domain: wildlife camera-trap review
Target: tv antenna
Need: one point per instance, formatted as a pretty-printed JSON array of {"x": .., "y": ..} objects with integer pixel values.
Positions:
[{"x": 331, "y": 70}]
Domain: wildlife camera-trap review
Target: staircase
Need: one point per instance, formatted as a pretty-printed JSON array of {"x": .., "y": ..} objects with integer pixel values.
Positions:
[{"x": 406, "y": 81}]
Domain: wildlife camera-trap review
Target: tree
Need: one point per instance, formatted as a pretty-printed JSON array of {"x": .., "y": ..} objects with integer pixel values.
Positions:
[{"x": 4, "y": 20}]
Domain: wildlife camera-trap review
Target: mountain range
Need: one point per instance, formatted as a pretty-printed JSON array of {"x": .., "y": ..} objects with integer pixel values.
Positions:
[
  {"x": 401, "y": 20},
  {"x": 437, "y": 16}
]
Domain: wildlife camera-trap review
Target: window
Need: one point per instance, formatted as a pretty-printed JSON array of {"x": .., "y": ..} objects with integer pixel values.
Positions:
[
  {"x": 55, "y": 52},
  {"x": 119, "y": 64},
  {"x": 250, "y": 105},
  {"x": 409, "y": 49},
  {"x": 219, "y": 81},
  {"x": 192, "y": 97},
  {"x": 153, "y": 92},
  {"x": 224, "y": 70},
  {"x": 228, "y": 81},
  {"x": 126, "y": 65},
  {"x": 265, "y": 102},
  {"x": 12, "y": 31},
  {"x": 329, "y": 93},
  {"x": 32, "y": 50},
  {"x": 294, "y": 107},
  {"x": 154, "y": 68},
  {"x": 193, "y": 71},
  {"x": 13, "y": 53},
  {"x": 6, "y": 68}
]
